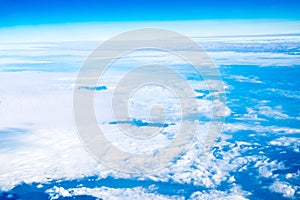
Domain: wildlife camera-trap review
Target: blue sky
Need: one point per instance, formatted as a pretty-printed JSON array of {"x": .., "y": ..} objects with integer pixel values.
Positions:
[{"x": 22, "y": 12}]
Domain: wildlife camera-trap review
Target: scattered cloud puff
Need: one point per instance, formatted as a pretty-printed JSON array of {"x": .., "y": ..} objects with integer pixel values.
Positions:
[
  {"x": 286, "y": 93},
  {"x": 263, "y": 113},
  {"x": 234, "y": 194},
  {"x": 241, "y": 78},
  {"x": 283, "y": 188},
  {"x": 290, "y": 142},
  {"x": 266, "y": 167},
  {"x": 275, "y": 113}
]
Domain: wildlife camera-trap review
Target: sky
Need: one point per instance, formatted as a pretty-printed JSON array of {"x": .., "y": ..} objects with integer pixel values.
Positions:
[
  {"x": 55, "y": 20},
  {"x": 22, "y": 12}
]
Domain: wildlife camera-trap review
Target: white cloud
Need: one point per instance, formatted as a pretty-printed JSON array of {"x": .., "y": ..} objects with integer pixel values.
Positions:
[
  {"x": 234, "y": 194},
  {"x": 289, "y": 142},
  {"x": 109, "y": 193},
  {"x": 262, "y": 51},
  {"x": 275, "y": 113},
  {"x": 5, "y": 61},
  {"x": 43, "y": 155},
  {"x": 286, "y": 93},
  {"x": 266, "y": 167},
  {"x": 241, "y": 78},
  {"x": 252, "y": 58},
  {"x": 283, "y": 188}
]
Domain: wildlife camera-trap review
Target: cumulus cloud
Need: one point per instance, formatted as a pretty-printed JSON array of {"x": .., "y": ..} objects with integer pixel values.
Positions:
[{"x": 283, "y": 188}]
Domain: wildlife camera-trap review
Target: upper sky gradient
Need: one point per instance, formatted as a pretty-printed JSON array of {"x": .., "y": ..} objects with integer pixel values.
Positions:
[{"x": 22, "y": 12}]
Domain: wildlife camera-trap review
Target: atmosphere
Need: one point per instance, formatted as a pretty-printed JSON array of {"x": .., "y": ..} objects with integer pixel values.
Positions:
[{"x": 22, "y": 12}]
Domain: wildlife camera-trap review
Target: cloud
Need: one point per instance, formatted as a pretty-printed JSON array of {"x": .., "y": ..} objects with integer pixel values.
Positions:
[
  {"x": 234, "y": 127},
  {"x": 44, "y": 146},
  {"x": 275, "y": 113},
  {"x": 259, "y": 59},
  {"x": 234, "y": 193},
  {"x": 42, "y": 155},
  {"x": 283, "y": 188},
  {"x": 289, "y": 142},
  {"x": 241, "y": 78},
  {"x": 266, "y": 50},
  {"x": 109, "y": 193},
  {"x": 286, "y": 93}
]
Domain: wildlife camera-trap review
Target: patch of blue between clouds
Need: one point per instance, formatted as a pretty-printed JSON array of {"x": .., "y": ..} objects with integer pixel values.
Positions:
[
  {"x": 32, "y": 191},
  {"x": 96, "y": 88},
  {"x": 142, "y": 123}
]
